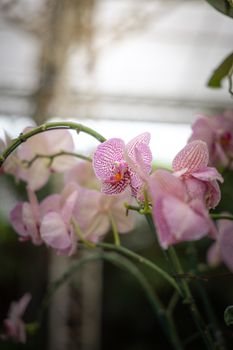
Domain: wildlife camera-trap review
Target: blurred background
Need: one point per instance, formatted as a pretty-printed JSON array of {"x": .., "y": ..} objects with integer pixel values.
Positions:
[{"x": 121, "y": 67}]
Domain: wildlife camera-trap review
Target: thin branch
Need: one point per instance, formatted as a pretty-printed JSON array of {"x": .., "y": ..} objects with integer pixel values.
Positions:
[
  {"x": 46, "y": 127},
  {"x": 51, "y": 157}
]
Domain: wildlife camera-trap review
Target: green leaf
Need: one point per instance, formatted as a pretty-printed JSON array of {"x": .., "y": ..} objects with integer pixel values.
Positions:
[
  {"x": 223, "y": 6},
  {"x": 228, "y": 315},
  {"x": 221, "y": 72}
]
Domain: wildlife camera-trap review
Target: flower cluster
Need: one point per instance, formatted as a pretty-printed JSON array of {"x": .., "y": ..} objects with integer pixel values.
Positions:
[
  {"x": 180, "y": 198},
  {"x": 93, "y": 195},
  {"x": 79, "y": 211}
]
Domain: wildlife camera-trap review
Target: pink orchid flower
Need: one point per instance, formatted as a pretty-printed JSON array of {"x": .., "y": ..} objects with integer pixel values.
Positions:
[
  {"x": 177, "y": 217},
  {"x": 56, "y": 225},
  {"x": 217, "y": 132},
  {"x": 95, "y": 210},
  {"x": 48, "y": 221},
  {"x": 117, "y": 165},
  {"x": 25, "y": 219},
  {"x": 190, "y": 164},
  {"x": 14, "y": 327},
  {"x": 47, "y": 143},
  {"x": 222, "y": 248}
]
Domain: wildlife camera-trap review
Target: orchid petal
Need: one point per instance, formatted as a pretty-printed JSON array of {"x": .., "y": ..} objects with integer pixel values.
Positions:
[
  {"x": 139, "y": 151},
  {"x": 184, "y": 223},
  {"x": 50, "y": 203},
  {"x": 17, "y": 309},
  {"x": 37, "y": 175},
  {"x": 163, "y": 230},
  {"x": 213, "y": 194},
  {"x": 194, "y": 156},
  {"x": 59, "y": 140},
  {"x": 114, "y": 188},
  {"x": 54, "y": 232},
  {"x": 208, "y": 174},
  {"x": 163, "y": 182},
  {"x": 68, "y": 207},
  {"x": 93, "y": 222},
  {"x": 16, "y": 218},
  {"x": 83, "y": 174},
  {"x": 143, "y": 138},
  {"x": 106, "y": 155},
  {"x": 214, "y": 255},
  {"x": 203, "y": 129},
  {"x": 226, "y": 245},
  {"x": 31, "y": 224}
]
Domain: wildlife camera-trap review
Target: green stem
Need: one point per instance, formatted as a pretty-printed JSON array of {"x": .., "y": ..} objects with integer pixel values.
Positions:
[
  {"x": 188, "y": 299},
  {"x": 173, "y": 302},
  {"x": 140, "y": 259},
  {"x": 185, "y": 291},
  {"x": 192, "y": 253},
  {"x": 123, "y": 263},
  {"x": 221, "y": 216},
  {"x": 45, "y": 127},
  {"x": 51, "y": 157},
  {"x": 115, "y": 231}
]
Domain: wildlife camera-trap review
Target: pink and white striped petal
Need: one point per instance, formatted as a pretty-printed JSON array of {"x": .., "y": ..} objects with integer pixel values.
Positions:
[
  {"x": 193, "y": 157},
  {"x": 106, "y": 155},
  {"x": 140, "y": 146}
]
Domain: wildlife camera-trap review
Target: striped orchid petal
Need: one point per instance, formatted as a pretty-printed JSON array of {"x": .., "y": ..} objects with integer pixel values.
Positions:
[{"x": 192, "y": 158}]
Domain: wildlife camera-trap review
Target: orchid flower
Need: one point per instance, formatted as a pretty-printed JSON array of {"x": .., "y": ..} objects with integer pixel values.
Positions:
[
  {"x": 14, "y": 327},
  {"x": 116, "y": 164},
  {"x": 56, "y": 226},
  {"x": 217, "y": 132},
  {"x": 222, "y": 248},
  {"x": 25, "y": 219},
  {"x": 48, "y": 143},
  {"x": 177, "y": 217},
  {"x": 190, "y": 164},
  {"x": 48, "y": 221},
  {"x": 95, "y": 210}
]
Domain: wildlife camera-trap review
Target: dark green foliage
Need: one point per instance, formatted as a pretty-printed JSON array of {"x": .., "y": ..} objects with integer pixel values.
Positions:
[{"x": 223, "y": 6}]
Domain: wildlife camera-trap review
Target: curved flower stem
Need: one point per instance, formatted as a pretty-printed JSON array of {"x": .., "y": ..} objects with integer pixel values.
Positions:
[
  {"x": 51, "y": 157},
  {"x": 188, "y": 299},
  {"x": 221, "y": 216},
  {"x": 144, "y": 210},
  {"x": 192, "y": 253},
  {"x": 140, "y": 259},
  {"x": 125, "y": 264},
  {"x": 45, "y": 127},
  {"x": 115, "y": 231},
  {"x": 186, "y": 292},
  {"x": 173, "y": 302}
]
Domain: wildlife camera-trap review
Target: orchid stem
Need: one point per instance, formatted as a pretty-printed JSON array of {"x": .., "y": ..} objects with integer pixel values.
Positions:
[
  {"x": 140, "y": 259},
  {"x": 80, "y": 235},
  {"x": 51, "y": 157},
  {"x": 192, "y": 253},
  {"x": 115, "y": 231},
  {"x": 125, "y": 264},
  {"x": 188, "y": 299},
  {"x": 186, "y": 292},
  {"x": 46, "y": 127},
  {"x": 221, "y": 216}
]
